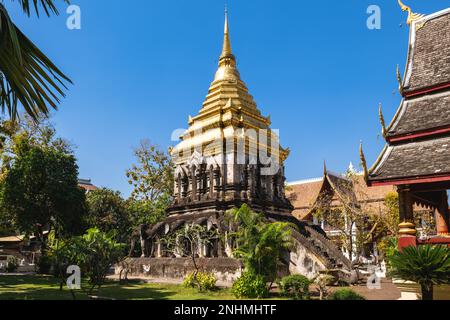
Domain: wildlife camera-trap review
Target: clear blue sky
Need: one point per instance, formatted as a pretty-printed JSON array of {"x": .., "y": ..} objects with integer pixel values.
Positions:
[{"x": 141, "y": 67}]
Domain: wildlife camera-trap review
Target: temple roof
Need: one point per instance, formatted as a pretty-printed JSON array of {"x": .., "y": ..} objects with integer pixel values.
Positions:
[
  {"x": 428, "y": 62},
  {"x": 305, "y": 194},
  {"x": 418, "y": 138},
  {"x": 413, "y": 160},
  {"x": 420, "y": 114}
]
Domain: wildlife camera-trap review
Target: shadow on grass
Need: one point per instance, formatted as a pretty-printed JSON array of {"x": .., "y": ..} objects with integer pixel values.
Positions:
[{"x": 47, "y": 288}]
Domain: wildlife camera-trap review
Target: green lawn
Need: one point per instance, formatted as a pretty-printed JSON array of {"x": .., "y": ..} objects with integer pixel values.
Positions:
[{"x": 47, "y": 288}]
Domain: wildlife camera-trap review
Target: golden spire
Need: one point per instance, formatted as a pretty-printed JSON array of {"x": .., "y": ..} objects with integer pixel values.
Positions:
[
  {"x": 227, "y": 61},
  {"x": 226, "y": 50},
  {"x": 411, "y": 15}
]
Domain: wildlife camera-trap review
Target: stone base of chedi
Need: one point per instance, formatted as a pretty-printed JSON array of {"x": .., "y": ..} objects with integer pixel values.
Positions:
[{"x": 230, "y": 156}]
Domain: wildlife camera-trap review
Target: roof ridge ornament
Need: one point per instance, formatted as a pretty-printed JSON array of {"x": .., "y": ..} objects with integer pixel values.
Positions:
[
  {"x": 363, "y": 162},
  {"x": 400, "y": 81},
  {"x": 411, "y": 15},
  {"x": 383, "y": 124}
]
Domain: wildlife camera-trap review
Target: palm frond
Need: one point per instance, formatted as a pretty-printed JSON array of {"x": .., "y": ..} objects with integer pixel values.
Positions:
[
  {"x": 26, "y": 74},
  {"x": 48, "y": 6}
]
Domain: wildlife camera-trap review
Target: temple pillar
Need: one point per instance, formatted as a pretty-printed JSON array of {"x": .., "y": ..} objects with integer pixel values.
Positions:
[
  {"x": 178, "y": 188},
  {"x": 193, "y": 184},
  {"x": 442, "y": 215},
  {"x": 159, "y": 251},
  {"x": 407, "y": 228},
  {"x": 217, "y": 179},
  {"x": 185, "y": 187}
]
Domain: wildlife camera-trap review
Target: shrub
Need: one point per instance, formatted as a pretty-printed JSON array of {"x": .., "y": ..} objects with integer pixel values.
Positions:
[
  {"x": 322, "y": 282},
  {"x": 426, "y": 265},
  {"x": 250, "y": 286},
  {"x": 205, "y": 281},
  {"x": 345, "y": 294},
  {"x": 12, "y": 264},
  {"x": 295, "y": 286},
  {"x": 44, "y": 265}
]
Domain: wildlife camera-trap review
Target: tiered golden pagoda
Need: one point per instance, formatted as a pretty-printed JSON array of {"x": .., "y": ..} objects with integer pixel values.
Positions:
[{"x": 208, "y": 163}]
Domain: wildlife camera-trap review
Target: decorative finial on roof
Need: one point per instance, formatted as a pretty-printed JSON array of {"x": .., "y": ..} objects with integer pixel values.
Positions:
[
  {"x": 411, "y": 15},
  {"x": 383, "y": 124},
  {"x": 363, "y": 162},
  {"x": 400, "y": 81},
  {"x": 325, "y": 171}
]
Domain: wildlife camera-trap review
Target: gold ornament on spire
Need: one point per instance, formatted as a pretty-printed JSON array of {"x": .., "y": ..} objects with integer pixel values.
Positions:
[{"x": 411, "y": 15}]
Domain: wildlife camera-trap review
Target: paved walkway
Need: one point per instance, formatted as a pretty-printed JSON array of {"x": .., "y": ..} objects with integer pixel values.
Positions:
[{"x": 388, "y": 291}]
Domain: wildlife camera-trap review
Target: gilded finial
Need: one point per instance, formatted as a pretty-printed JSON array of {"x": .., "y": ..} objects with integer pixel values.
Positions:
[
  {"x": 411, "y": 15},
  {"x": 363, "y": 162},
  {"x": 383, "y": 124},
  {"x": 325, "y": 171},
  {"x": 190, "y": 120},
  {"x": 400, "y": 81},
  {"x": 226, "y": 50}
]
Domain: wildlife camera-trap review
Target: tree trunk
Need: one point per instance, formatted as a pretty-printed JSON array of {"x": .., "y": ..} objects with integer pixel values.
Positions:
[
  {"x": 427, "y": 292},
  {"x": 195, "y": 266}
]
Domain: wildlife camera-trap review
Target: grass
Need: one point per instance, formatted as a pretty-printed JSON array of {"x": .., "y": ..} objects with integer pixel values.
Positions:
[{"x": 47, "y": 288}]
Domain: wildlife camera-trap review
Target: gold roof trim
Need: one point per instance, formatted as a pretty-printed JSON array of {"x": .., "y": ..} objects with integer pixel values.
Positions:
[{"x": 411, "y": 15}]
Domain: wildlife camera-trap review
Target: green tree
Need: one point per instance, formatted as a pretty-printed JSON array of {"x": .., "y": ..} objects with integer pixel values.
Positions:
[
  {"x": 152, "y": 181},
  {"x": 426, "y": 265},
  {"x": 187, "y": 242},
  {"x": 27, "y": 76},
  {"x": 259, "y": 243},
  {"x": 40, "y": 192},
  {"x": 97, "y": 252},
  {"x": 39, "y": 133},
  {"x": 392, "y": 215},
  {"x": 107, "y": 211},
  {"x": 94, "y": 252}
]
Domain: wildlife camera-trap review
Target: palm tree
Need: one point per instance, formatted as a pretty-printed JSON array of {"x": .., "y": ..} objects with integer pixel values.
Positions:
[
  {"x": 260, "y": 243},
  {"x": 426, "y": 265},
  {"x": 27, "y": 76}
]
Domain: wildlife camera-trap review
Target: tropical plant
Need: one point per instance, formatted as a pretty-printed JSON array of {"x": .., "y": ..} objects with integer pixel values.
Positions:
[
  {"x": 426, "y": 265},
  {"x": 345, "y": 294},
  {"x": 250, "y": 285},
  {"x": 26, "y": 74},
  {"x": 94, "y": 252},
  {"x": 295, "y": 286},
  {"x": 97, "y": 252},
  {"x": 207, "y": 281},
  {"x": 259, "y": 243}
]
